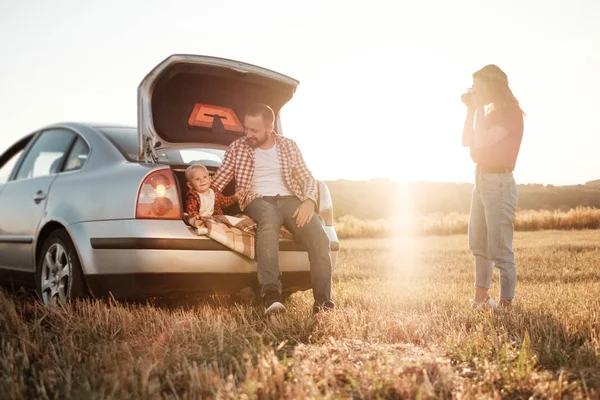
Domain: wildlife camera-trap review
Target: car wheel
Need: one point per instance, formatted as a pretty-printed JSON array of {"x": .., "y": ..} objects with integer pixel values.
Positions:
[{"x": 59, "y": 277}]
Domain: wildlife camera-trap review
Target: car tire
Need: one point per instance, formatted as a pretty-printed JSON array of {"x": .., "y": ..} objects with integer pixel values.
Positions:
[{"x": 59, "y": 277}]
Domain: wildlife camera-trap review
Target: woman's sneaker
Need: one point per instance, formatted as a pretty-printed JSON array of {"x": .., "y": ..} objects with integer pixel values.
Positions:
[
  {"x": 488, "y": 303},
  {"x": 273, "y": 304}
]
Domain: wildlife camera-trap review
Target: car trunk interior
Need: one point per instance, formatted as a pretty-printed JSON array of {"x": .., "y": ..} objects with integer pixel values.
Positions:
[
  {"x": 179, "y": 90},
  {"x": 181, "y": 87}
]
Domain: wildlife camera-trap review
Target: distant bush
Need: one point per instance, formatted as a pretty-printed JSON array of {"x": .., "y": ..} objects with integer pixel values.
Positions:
[
  {"x": 424, "y": 198},
  {"x": 456, "y": 223}
]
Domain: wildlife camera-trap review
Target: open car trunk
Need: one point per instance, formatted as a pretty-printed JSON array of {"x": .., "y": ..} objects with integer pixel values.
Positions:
[{"x": 190, "y": 100}]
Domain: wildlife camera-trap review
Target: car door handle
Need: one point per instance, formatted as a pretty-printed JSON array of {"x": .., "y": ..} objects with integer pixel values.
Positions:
[{"x": 39, "y": 196}]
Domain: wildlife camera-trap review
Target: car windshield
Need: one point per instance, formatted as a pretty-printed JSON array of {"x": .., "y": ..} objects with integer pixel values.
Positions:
[{"x": 125, "y": 139}]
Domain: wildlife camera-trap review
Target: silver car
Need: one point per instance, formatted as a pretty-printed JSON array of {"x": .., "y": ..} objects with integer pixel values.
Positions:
[{"x": 97, "y": 209}]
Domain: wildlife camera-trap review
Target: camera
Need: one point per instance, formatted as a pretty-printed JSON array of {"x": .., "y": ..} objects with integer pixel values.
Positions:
[{"x": 467, "y": 97}]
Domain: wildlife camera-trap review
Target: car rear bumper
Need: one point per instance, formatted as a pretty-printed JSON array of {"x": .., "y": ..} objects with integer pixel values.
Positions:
[
  {"x": 197, "y": 243},
  {"x": 153, "y": 253}
]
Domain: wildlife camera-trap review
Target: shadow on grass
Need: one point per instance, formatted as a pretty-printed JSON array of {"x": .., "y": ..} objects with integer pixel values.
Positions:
[
  {"x": 547, "y": 344},
  {"x": 559, "y": 347}
]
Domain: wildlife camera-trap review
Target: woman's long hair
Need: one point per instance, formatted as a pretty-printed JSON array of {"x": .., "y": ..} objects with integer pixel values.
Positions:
[{"x": 496, "y": 83}]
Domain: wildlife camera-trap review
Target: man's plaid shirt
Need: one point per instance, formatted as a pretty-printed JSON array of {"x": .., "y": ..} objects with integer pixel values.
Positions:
[{"x": 239, "y": 164}]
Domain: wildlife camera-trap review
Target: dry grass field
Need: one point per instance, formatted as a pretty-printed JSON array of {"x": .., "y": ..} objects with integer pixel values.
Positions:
[{"x": 402, "y": 329}]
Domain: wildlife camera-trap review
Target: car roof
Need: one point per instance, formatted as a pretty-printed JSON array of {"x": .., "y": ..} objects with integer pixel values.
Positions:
[{"x": 108, "y": 125}]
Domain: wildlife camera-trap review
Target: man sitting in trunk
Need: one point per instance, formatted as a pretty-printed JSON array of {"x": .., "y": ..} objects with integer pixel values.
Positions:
[{"x": 278, "y": 190}]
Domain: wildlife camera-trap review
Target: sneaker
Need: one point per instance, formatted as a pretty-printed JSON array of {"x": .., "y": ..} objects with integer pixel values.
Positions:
[
  {"x": 273, "y": 304},
  {"x": 327, "y": 306},
  {"x": 489, "y": 303}
]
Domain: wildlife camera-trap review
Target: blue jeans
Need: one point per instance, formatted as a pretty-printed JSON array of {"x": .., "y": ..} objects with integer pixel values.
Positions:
[
  {"x": 491, "y": 228},
  {"x": 270, "y": 213}
]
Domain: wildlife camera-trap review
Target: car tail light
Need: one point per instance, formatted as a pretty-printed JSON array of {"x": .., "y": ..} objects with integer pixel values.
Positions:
[
  {"x": 159, "y": 197},
  {"x": 325, "y": 204}
]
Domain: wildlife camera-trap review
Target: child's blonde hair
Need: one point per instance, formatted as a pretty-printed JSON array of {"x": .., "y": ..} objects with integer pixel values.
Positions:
[{"x": 190, "y": 170}]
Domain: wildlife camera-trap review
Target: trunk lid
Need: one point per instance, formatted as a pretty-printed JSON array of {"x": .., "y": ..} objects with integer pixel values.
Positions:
[{"x": 191, "y": 100}]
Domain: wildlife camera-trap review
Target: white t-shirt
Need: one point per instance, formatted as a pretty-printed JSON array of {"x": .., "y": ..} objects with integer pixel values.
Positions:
[
  {"x": 207, "y": 203},
  {"x": 268, "y": 179}
]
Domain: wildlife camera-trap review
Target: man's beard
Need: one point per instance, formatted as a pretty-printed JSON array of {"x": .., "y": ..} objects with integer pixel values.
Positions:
[{"x": 254, "y": 143}]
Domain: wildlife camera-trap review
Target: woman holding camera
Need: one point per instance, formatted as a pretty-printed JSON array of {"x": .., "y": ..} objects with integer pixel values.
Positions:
[{"x": 493, "y": 130}]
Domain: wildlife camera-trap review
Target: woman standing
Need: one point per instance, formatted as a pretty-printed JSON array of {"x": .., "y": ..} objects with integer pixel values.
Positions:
[{"x": 493, "y": 130}]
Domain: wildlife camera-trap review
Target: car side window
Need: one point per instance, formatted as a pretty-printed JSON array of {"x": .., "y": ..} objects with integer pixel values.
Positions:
[
  {"x": 77, "y": 156},
  {"x": 46, "y": 155},
  {"x": 8, "y": 167}
]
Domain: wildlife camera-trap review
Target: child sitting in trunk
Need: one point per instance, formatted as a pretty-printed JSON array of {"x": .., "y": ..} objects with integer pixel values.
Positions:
[{"x": 201, "y": 200}]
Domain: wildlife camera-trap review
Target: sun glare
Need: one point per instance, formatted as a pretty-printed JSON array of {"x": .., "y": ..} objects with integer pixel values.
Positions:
[{"x": 404, "y": 224}]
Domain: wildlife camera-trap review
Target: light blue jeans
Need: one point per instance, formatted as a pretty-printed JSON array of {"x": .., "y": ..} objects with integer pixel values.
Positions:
[
  {"x": 491, "y": 227},
  {"x": 270, "y": 213}
]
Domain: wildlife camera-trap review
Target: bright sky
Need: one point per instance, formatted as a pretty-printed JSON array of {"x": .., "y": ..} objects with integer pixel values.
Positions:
[{"x": 380, "y": 80}]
